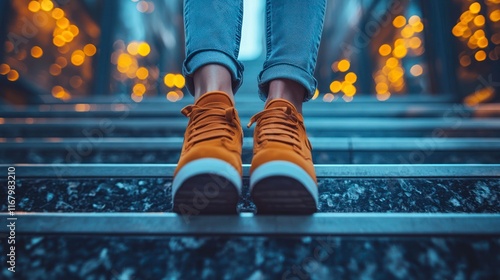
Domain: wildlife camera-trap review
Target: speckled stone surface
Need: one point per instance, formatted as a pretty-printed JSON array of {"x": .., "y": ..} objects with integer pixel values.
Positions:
[
  {"x": 336, "y": 195},
  {"x": 410, "y": 195},
  {"x": 254, "y": 258}
]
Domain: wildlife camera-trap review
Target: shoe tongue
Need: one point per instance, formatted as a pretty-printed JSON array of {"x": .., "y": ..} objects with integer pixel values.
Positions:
[
  {"x": 215, "y": 99},
  {"x": 275, "y": 103}
]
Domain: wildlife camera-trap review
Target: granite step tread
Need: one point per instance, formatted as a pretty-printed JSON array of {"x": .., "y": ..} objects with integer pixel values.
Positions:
[
  {"x": 342, "y": 188},
  {"x": 335, "y": 195},
  {"x": 255, "y": 257}
]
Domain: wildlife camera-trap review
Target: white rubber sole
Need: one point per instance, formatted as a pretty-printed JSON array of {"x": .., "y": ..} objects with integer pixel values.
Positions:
[
  {"x": 282, "y": 187},
  {"x": 206, "y": 186}
]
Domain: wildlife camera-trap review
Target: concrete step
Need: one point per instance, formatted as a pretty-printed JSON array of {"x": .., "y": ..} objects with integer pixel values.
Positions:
[
  {"x": 342, "y": 188},
  {"x": 377, "y": 221}
]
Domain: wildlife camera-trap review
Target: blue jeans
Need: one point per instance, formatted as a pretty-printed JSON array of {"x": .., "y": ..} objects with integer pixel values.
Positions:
[{"x": 293, "y": 34}]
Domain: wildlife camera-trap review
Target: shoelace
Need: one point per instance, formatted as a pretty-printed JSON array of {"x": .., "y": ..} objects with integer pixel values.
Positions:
[
  {"x": 209, "y": 123},
  {"x": 278, "y": 125}
]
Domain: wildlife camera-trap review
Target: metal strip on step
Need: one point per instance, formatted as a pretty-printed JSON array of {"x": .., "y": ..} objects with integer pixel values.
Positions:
[
  {"x": 322, "y": 170},
  {"x": 360, "y": 224},
  {"x": 424, "y": 144}
]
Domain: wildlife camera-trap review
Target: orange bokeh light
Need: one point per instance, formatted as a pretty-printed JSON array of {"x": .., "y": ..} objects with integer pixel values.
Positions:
[{"x": 36, "y": 52}]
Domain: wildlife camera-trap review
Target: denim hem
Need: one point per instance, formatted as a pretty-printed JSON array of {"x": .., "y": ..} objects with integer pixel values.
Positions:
[
  {"x": 204, "y": 57},
  {"x": 286, "y": 71}
]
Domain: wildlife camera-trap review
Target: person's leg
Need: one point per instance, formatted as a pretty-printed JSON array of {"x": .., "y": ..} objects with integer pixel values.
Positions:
[
  {"x": 293, "y": 35},
  {"x": 213, "y": 33},
  {"x": 287, "y": 89},
  {"x": 208, "y": 175},
  {"x": 212, "y": 77},
  {"x": 282, "y": 175}
]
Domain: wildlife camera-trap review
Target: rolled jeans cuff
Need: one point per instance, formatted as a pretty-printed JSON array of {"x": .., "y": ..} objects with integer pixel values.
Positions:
[
  {"x": 290, "y": 72},
  {"x": 204, "y": 57}
]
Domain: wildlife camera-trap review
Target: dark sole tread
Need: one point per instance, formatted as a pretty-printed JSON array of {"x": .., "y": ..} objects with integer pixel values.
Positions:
[
  {"x": 206, "y": 194},
  {"x": 282, "y": 195}
]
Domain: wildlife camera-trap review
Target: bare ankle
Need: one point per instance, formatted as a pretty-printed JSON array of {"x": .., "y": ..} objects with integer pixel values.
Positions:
[
  {"x": 288, "y": 90},
  {"x": 212, "y": 77}
]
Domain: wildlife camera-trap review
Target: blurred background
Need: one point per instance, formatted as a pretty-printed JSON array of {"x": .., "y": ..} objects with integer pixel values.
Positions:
[
  {"x": 372, "y": 50},
  {"x": 405, "y": 120}
]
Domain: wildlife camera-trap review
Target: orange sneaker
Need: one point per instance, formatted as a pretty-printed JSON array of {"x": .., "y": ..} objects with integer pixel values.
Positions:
[
  {"x": 208, "y": 175},
  {"x": 282, "y": 176}
]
